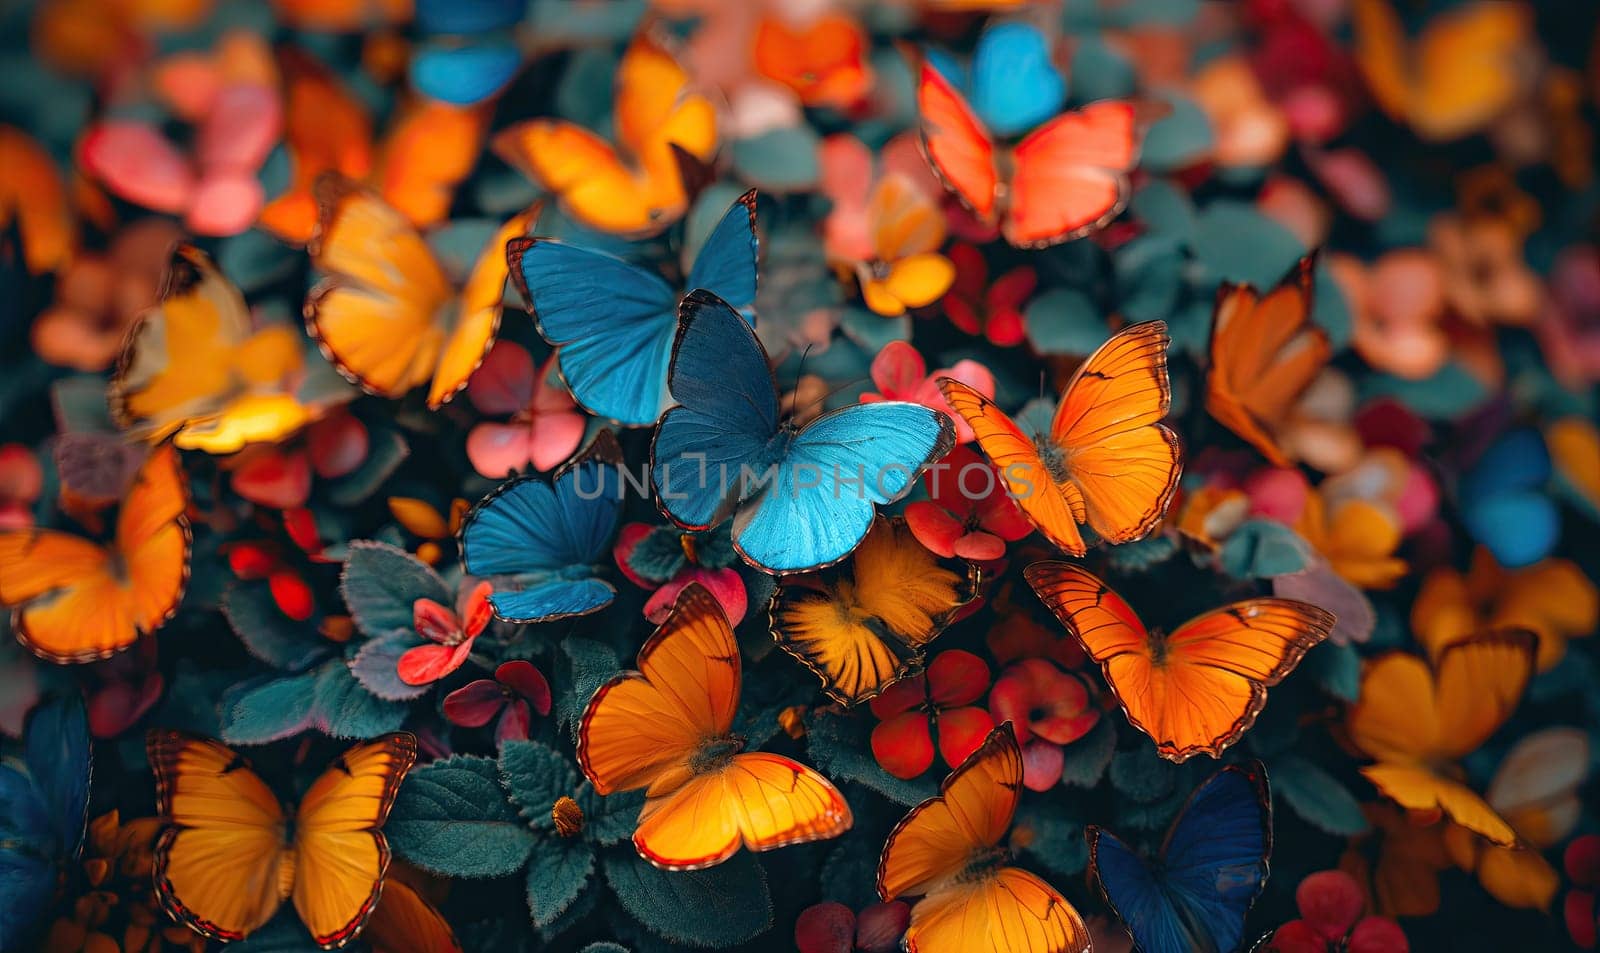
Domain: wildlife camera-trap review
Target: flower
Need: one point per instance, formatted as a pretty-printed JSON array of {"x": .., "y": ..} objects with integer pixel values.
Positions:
[
  {"x": 824, "y": 61},
  {"x": 1486, "y": 279},
  {"x": 516, "y": 691},
  {"x": 992, "y": 310},
  {"x": 1357, "y": 537},
  {"x": 1249, "y": 129},
  {"x": 832, "y": 927},
  {"x": 666, "y": 560},
  {"x": 936, "y": 701},
  {"x": 452, "y": 635},
  {"x": 279, "y": 477},
  {"x": 21, "y": 481},
  {"x": 1048, "y": 709},
  {"x": 1397, "y": 306},
  {"x": 1582, "y": 863},
  {"x": 969, "y": 516},
  {"x": 1568, "y": 330},
  {"x": 900, "y": 373},
  {"x": 1552, "y": 597},
  {"x": 423, "y": 520},
  {"x": 1331, "y": 904},
  {"x": 98, "y": 296},
  {"x": 545, "y": 427}
]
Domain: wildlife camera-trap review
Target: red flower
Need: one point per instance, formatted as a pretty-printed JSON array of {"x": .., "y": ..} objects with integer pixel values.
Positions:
[
  {"x": 937, "y": 701},
  {"x": 900, "y": 373},
  {"x": 969, "y": 513},
  {"x": 279, "y": 476},
  {"x": 516, "y": 691},
  {"x": 832, "y": 927},
  {"x": 1331, "y": 903},
  {"x": 21, "y": 480},
  {"x": 1582, "y": 862},
  {"x": 290, "y": 592},
  {"x": 1047, "y": 708},
  {"x": 452, "y": 635},
  {"x": 992, "y": 310}
]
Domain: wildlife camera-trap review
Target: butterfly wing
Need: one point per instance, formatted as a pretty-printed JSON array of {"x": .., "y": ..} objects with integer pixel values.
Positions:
[
  {"x": 376, "y": 315},
  {"x": 1265, "y": 352},
  {"x": 325, "y": 128},
  {"x": 726, "y": 263},
  {"x": 470, "y": 339},
  {"x": 153, "y": 541},
  {"x": 549, "y": 533},
  {"x": 658, "y": 113},
  {"x": 859, "y": 630},
  {"x": 1070, "y": 176},
  {"x": 1013, "y": 911},
  {"x": 582, "y": 170},
  {"x": 405, "y": 922},
  {"x": 46, "y": 809},
  {"x": 958, "y": 146},
  {"x": 32, "y": 192},
  {"x": 717, "y": 436},
  {"x": 340, "y": 852},
  {"x": 1015, "y": 84},
  {"x": 430, "y": 148},
  {"x": 221, "y": 817}
]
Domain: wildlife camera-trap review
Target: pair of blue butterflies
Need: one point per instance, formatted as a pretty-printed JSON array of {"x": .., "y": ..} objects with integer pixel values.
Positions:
[
  {"x": 799, "y": 497},
  {"x": 44, "y": 802}
]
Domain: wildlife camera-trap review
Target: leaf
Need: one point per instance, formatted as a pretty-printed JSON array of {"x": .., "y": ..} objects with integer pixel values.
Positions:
[
  {"x": 259, "y": 711},
  {"x": 266, "y": 632},
  {"x": 838, "y": 744},
  {"x": 1064, "y": 321},
  {"x": 1261, "y": 549},
  {"x": 284, "y": 933},
  {"x": 850, "y": 872},
  {"x": 380, "y": 584},
  {"x": 1141, "y": 774},
  {"x": 583, "y": 665},
  {"x": 609, "y": 818},
  {"x": 1316, "y": 796},
  {"x": 1141, "y": 555},
  {"x": 376, "y": 666},
  {"x": 1336, "y": 670},
  {"x": 1236, "y": 242},
  {"x": 1086, "y": 759},
  {"x": 387, "y": 450},
  {"x": 604, "y": 947},
  {"x": 713, "y": 908},
  {"x": 536, "y": 775},
  {"x": 557, "y": 874},
  {"x": 779, "y": 160},
  {"x": 1149, "y": 277},
  {"x": 344, "y": 709},
  {"x": 1051, "y": 840},
  {"x": 452, "y": 817},
  {"x": 1179, "y": 139}
]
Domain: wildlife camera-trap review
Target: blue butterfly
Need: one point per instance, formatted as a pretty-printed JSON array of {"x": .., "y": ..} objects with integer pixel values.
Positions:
[
  {"x": 467, "y": 54},
  {"x": 614, "y": 322},
  {"x": 46, "y": 802},
  {"x": 799, "y": 498},
  {"x": 551, "y": 538},
  {"x": 1014, "y": 84},
  {"x": 1212, "y": 867}
]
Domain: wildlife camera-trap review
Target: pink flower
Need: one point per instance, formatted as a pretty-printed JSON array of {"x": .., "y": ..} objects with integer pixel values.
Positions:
[
  {"x": 938, "y": 700},
  {"x": 21, "y": 480},
  {"x": 722, "y": 582},
  {"x": 1331, "y": 904},
  {"x": 1569, "y": 329},
  {"x": 516, "y": 691},
  {"x": 990, "y": 309},
  {"x": 970, "y": 514},
  {"x": 900, "y": 373},
  {"x": 452, "y": 635},
  {"x": 1047, "y": 708},
  {"x": 545, "y": 426}
]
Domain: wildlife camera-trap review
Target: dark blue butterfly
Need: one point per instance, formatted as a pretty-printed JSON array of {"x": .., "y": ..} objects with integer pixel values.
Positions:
[
  {"x": 615, "y": 322},
  {"x": 1211, "y": 868},
  {"x": 45, "y": 802},
  {"x": 799, "y": 498},
  {"x": 551, "y": 539}
]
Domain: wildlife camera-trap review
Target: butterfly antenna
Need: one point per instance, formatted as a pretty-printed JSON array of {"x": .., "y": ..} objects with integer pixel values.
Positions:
[
  {"x": 801, "y": 371},
  {"x": 829, "y": 395}
]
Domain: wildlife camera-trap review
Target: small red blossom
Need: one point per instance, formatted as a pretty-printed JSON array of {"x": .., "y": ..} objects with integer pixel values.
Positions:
[
  {"x": 938, "y": 701},
  {"x": 832, "y": 927},
  {"x": 900, "y": 373},
  {"x": 262, "y": 561},
  {"x": 968, "y": 513},
  {"x": 1579, "y": 908},
  {"x": 1048, "y": 709},
  {"x": 981, "y": 308},
  {"x": 21, "y": 480},
  {"x": 1331, "y": 904},
  {"x": 451, "y": 632},
  {"x": 516, "y": 692}
]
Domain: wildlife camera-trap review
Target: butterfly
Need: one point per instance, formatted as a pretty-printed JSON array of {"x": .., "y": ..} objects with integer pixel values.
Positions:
[
  {"x": 1199, "y": 688},
  {"x": 1211, "y": 867},
  {"x": 614, "y": 323},
  {"x": 466, "y": 57},
  {"x": 1107, "y": 461},
  {"x": 1265, "y": 352},
  {"x": 551, "y": 538},
  {"x": 800, "y": 498},
  {"x": 405, "y": 922},
  {"x": 196, "y": 369},
  {"x": 33, "y": 194},
  {"x": 46, "y": 798},
  {"x": 330, "y": 857},
  {"x": 666, "y": 728},
  {"x": 1467, "y": 67},
  {"x": 1065, "y": 179},
  {"x": 635, "y": 187},
  {"x": 1416, "y": 722},
  {"x": 76, "y": 600},
  {"x": 864, "y": 623},
  {"x": 948, "y": 852},
  {"x": 387, "y": 316}
]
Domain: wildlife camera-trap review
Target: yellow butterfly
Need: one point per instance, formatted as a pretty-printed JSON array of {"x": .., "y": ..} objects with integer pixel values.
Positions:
[{"x": 230, "y": 856}]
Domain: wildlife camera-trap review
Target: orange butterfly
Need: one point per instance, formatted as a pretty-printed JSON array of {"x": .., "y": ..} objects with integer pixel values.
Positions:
[
  {"x": 405, "y": 922},
  {"x": 1198, "y": 689},
  {"x": 1065, "y": 179},
  {"x": 33, "y": 193},
  {"x": 230, "y": 856},
  {"x": 387, "y": 316},
  {"x": 1265, "y": 352},
  {"x": 947, "y": 851},
  {"x": 1416, "y": 722},
  {"x": 1107, "y": 461},
  {"x": 665, "y": 728},
  {"x": 635, "y": 188},
  {"x": 76, "y": 600},
  {"x": 862, "y": 625}
]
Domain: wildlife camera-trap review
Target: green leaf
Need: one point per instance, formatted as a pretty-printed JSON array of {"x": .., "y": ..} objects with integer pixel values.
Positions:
[
  {"x": 1313, "y": 794},
  {"x": 557, "y": 874},
  {"x": 780, "y": 160},
  {"x": 386, "y": 451},
  {"x": 1448, "y": 395},
  {"x": 609, "y": 818},
  {"x": 1051, "y": 840},
  {"x": 1064, "y": 321},
  {"x": 717, "y": 907},
  {"x": 452, "y": 817},
  {"x": 267, "y": 633},
  {"x": 1236, "y": 242},
  {"x": 376, "y": 666},
  {"x": 1179, "y": 139},
  {"x": 536, "y": 775},
  {"x": 1141, "y": 555},
  {"x": 1085, "y": 760},
  {"x": 604, "y": 947},
  {"x": 79, "y": 402},
  {"x": 1149, "y": 277},
  {"x": 1336, "y": 670},
  {"x": 583, "y": 665},
  {"x": 659, "y": 555},
  {"x": 850, "y": 872},
  {"x": 263, "y": 710},
  {"x": 1260, "y": 549},
  {"x": 344, "y": 709},
  {"x": 839, "y": 746},
  {"x": 872, "y": 331},
  {"x": 284, "y": 933},
  {"x": 1142, "y": 775},
  {"x": 381, "y": 583}
]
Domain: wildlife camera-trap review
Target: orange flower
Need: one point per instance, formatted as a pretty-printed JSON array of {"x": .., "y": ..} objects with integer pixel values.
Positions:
[
  {"x": 1358, "y": 537},
  {"x": 1486, "y": 279},
  {"x": 1553, "y": 598},
  {"x": 99, "y": 296},
  {"x": 824, "y": 61},
  {"x": 1398, "y": 306},
  {"x": 1250, "y": 129}
]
